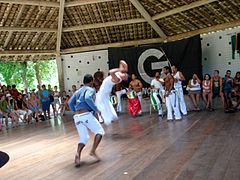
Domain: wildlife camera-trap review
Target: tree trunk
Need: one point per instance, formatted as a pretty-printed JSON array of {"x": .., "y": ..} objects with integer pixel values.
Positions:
[
  {"x": 24, "y": 74},
  {"x": 37, "y": 71}
]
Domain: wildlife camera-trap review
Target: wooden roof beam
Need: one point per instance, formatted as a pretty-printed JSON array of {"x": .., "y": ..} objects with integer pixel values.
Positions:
[
  {"x": 146, "y": 16},
  {"x": 105, "y": 24},
  {"x": 27, "y": 29},
  {"x": 84, "y": 2},
  {"x": 60, "y": 27},
  {"x": 27, "y": 52},
  {"x": 32, "y": 2},
  {"x": 155, "y": 40},
  {"x": 182, "y": 8}
]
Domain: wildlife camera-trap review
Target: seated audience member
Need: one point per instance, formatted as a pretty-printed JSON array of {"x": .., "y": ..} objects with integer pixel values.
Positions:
[
  {"x": 34, "y": 105},
  {"x": 236, "y": 80},
  {"x": 216, "y": 88},
  {"x": 227, "y": 90},
  {"x": 4, "y": 109},
  {"x": 194, "y": 85},
  {"x": 14, "y": 92},
  {"x": 11, "y": 110},
  {"x": 22, "y": 109},
  {"x": 206, "y": 86}
]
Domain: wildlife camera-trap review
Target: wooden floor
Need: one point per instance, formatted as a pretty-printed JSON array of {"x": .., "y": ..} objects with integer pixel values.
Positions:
[{"x": 202, "y": 146}]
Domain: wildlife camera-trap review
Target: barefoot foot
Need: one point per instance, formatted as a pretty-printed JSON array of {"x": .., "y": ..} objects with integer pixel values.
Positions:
[
  {"x": 93, "y": 154},
  {"x": 77, "y": 161}
]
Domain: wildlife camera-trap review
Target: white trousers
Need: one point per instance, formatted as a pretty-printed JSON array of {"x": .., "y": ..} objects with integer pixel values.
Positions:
[
  {"x": 24, "y": 112},
  {"x": 139, "y": 94},
  {"x": 182, "y": 104},
  {"x": 119, "y": 99},
  {"x": 86, "y": 121},
  {"x": 172, "y": 106}
]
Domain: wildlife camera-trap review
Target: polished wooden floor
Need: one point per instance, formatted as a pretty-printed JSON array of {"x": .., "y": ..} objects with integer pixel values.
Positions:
[{"x": 202, "y": 146}]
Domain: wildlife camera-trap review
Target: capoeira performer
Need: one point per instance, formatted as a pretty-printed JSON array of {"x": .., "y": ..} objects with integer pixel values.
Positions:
[
  {"x": 82, "y": 104},
  {"x": 103, "y": 96},
  {"x": 156, "y": 93},
  {"x": 178, "y": 78},
  {"x": 171, "y": 96}
]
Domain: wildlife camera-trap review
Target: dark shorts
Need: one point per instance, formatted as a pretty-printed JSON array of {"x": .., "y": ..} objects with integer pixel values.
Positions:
[{"x": 45, "y": 106}]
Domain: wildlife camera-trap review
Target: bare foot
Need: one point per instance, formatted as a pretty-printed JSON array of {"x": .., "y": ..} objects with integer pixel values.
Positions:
[
  {"x": 77, "y": 161},
  {"x": 93, "y": 154}
]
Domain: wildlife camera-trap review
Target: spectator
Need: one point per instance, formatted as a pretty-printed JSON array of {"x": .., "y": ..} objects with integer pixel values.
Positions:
[
  {"x": 44, "y": 98},
  {"x": 14, "y": 92},
  {"x": 227, "y": 90},
  {"x": 4, "y": 109},
  {"x": 194, "y": 85},
  {"x": 21, "y": 108},
  {"x": 206, "y": 85},
  {"x": 34, "y": 105},
  {"x": 98, "y": 79},
  {"x": 55, "y": 102},
  {"x": 216, "y": 88},
  {"x": 11, "y": 110},
  {"x": 236, "y": 81}
]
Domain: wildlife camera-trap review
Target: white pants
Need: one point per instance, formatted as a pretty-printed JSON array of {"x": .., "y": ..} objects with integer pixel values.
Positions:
[
  {"x": 139, "y": 94},
  {"x": 119, "y": 95},
  {"x": 181, "y": 100},
  {"x": 172, "y": 106},
  {"x": 86, "y": 121},
  {"x": 24, "y": 112}
]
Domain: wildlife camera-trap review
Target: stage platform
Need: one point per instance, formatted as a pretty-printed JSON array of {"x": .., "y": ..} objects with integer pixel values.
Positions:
[{"x": 203, "y": 145}]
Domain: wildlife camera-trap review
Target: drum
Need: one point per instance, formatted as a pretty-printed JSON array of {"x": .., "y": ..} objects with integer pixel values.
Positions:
[{"x": 134, "y": 106}]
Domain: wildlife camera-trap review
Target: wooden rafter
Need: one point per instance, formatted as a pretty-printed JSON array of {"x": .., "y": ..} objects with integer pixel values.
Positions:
[
  {"x": 27, "y": 29},
  {"x": 27, "y": 52},
  {"x": 105, "y": 24},
  {"x": 155, "y": 40},
  {"x": 60, "y": 22},
  {"x": 146, "y": 15},
  {"x": 182, "y": 8},
  {"x": 84, "y": 2},
  {"x": 31, "y": 2}
]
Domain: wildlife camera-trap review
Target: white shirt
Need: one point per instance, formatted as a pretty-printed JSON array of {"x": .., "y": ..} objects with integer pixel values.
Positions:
[
  {"x": 156, "y": 84},
  {"x": 177, "y": 84}
]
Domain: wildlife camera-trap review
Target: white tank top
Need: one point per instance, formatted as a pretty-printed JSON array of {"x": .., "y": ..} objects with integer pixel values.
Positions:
[
  {"x": 108, "y": 84},
  {"x": 195, "y": 87},
  {"x": 177, "y": 84}
]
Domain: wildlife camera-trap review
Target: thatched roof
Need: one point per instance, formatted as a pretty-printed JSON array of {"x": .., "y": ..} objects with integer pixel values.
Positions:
[{"x": 40, "y": 29}]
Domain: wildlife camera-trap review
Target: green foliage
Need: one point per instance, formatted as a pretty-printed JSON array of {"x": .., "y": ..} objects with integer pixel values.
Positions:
[{"x": 17, "y": 72}]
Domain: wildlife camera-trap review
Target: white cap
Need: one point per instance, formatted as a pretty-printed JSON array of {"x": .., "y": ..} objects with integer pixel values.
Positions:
[{"x": 8, "y": 95}]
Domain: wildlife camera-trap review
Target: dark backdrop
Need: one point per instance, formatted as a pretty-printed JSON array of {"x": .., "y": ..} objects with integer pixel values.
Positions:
[{"x": 186, "y": 54}]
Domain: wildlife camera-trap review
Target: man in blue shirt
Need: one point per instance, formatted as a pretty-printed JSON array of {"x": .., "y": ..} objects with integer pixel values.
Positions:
[{"x": 82, "y": 104}]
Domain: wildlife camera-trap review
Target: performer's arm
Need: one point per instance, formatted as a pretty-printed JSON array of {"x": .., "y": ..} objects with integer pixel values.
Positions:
[
  {"x": 72, "y": 102},
  {"x": 89, "y": 99},
  {"x": 123, "y": 66},
  {"x": 140, "y": 84},
  {"x": 113, "y": 75}
]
